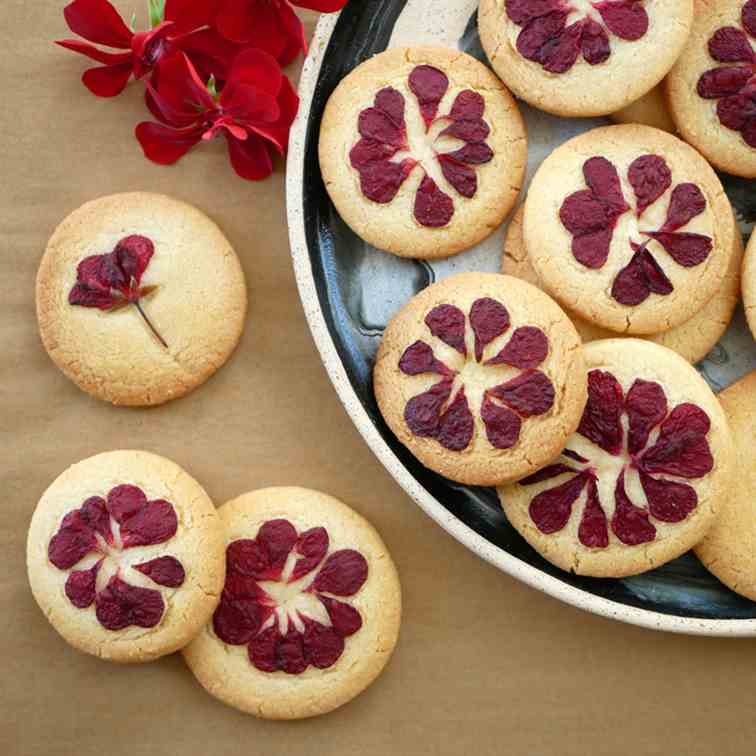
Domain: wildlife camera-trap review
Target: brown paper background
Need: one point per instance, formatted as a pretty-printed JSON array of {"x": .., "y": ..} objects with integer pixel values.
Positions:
[{"x": 485, "y": 665}]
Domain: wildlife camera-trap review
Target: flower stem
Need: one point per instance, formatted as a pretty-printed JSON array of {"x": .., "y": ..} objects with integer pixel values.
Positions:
[{"x": 154, "y": 330}]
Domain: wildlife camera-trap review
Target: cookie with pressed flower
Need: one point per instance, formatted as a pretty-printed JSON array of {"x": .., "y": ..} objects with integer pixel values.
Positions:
[
  {"x": 729, "y": 549},
  {"x": 422, "y": 151},
  {"x": 310, "y": 611},
  {"x": 644, "y": 476},
  {"x": 481, "y": 376},
  {"x": 125, "y": 555},
  {"x": 583, "y": 57},
  {"x": 692, "y": 339},
  {"x": 140, "y": 298},
  {"x": 712, "y": 88},
  {"x": 749, "y": 283},
  {"x": 629, "y": 228},
  {"x": 649, "y": 110}
]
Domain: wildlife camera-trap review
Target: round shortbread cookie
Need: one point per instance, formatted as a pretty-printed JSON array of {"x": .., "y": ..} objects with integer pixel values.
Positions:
[
  {"x": 125, "y": 556},
  {"x": 729, "y": 549},
  {"x": 481, "y": 376},
  {"x": 423, "y": 151},
  {"x": 649, "y": 110},
  {"x": 712, "y": 88},
  {"x": 644, "y": 476},
  {"x": 140, "y": 298},
  {"x": 630, "y": 228},
  {"x": 311, "y": 608},
  {"x": 693, "y": 339},
  {"x": 749, "y": 283},
  {"x": 583, "y": 57}
]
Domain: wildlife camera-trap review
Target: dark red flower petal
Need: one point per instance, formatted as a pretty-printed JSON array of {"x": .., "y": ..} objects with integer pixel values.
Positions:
[
  {"x": 253, "y": 68},
  {"x": 541, "y": 33},
  {"x": 594, "y": 43},
  {"x": 668, "y": 501},
  {"x": 559, "y": 54},
  {"x": 468, "y": 106},
  {"x": 502, "y": 425},
  {"x": 604, "y": 182},
  {"x": 456, "y": 425},
  {"x": 471, "y": 130},
  {"x": 429, "y": 85},
  {"x": 681, "y": 448},
  {"x": 155, "y": 523},
  {"x": 447, "y": 322},
  {"x": 94, "y": 512},
  {"x": 380, "y": 180},
  {"x": 631, "y": 285},
  {"x": 322, "y": 645},
  {"x": 82, "y": 295},
  {"x": 237, "y": 621},
  {"x": 474, "y": 153},
  {"x": 119, "y": 605},
  {"x": 601, "y": 419},
  {"x": 107, "y": 81},
  {"x": 290, "y": 653},
  {"x": 133, "y": 254},
  {"x": 593, "y": 531},
  {"x": 687, "y": 202},
  {"x": 189, "y": 15},
  {"x": 592, "y": 250},
  {"x": 460, "y": 176},
  {"x": 323, "y": 6},
  {"x": 165, "y": 570},
  {"x": 686, "y": 249},
  {"x": 278, "y": 537},
  {"x": 733, "y": 111},
  {"x": 527, "y": 348},
  {"x": 530, "y": 393},
  {"x": 730, "y": 45},
  {"x": 423, "y": 412},
  {"x": 249, "y": 157},
  {"x": 81, "y": 586},
  {"x": 550, "y": 510},
  {"x": 346, "y": 620},
  {"x": 418, "y": 358},
  {"x": 262, "y": 650},
  {"x": 248, "y": 557},
  {"x": 489, "y": 320},
  {"x": 748, "y": 17},
  {"x": 625, "y": 18},
  {"x": 99, "y": 22},
  {"x": 312, "y": 546},
  {"x": 574, "y": 455},
  {"x": 73, "y": 541},
  {"x": 583, "y": 213},
  {"x": 630, "y": 523},
  {"x": 650, "y": 177},
  {"x": 720, "y": 82},
  {"x": 343, "y": 573},
  {"x": 749, "y": 131},
  {"x": 547, "y": 473},
  {"x": 433, "y": 208},
  {"x": 522, "y": 11},
  {"x": 165, "y": 145},
  {"x": 84, "y": 48},
  {"x": 646, "y": 407}
]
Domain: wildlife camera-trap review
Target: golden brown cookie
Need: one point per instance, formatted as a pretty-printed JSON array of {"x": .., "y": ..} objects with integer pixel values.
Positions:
[
  {"x": 729, "y": 549},
  {"x": 712, "y": 88},
  {"x": 583, "y": 57},
  {"x": 423, "y": 151},
  {"x": 125, "y": 556},
  {"x": 649, "y": 110},
  {"x": 692, "y": 339},
  {"x": 644, "y": 476},
  {"x": 140, "y": 298},
  {"x": 310, "y": 611},
  {"x": 749, "y": 283},
  {"x": 481, "y": 376},
  {"x": 629, "y": 227}
]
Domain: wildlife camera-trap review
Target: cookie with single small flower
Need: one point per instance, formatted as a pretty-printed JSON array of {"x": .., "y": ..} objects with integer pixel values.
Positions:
[
  {"x": 583, "y": 57},
  {"x": 310, "y": 611},
  {"x": 692, "y": 339},
  {"x": 630, "y": 228},
  {"x": 140, "y": 298},
  {"x": 482, "y": 377},
  {"x": 749, "y": 283},
  {"x": 422, "y": 151},
  {"x": 712, "y": 87},
  {"x": 644, "y": 476},
  {"x": 729, "y": 549},
  {"x": 649, "y": 110},
  {"x": 125, "y": 556}
]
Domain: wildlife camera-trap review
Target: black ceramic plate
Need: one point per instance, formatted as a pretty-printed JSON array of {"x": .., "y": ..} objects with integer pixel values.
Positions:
[{"x": 350, "y": 290}]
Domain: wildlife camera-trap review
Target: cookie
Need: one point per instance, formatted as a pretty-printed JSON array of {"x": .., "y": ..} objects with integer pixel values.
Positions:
[
  {"x": 749, "y": 283},
  {"x": 140, "y": 298},
  {"x": 629, "y": 227},
  {"x": 481, "y": 376},
  {"x": 422, "y": 151},
  {"x": 692, "y": 339},
  {"x": 583, "y": 57},
  {"x": 310, "y": 611},
  {"x": 712, "y": 88},
  {"x": 729, "y": 549},
  {"x": 649, "y": 110},
  {"x": 125, "y": 556},
  {"x": 644, "y": 476}
]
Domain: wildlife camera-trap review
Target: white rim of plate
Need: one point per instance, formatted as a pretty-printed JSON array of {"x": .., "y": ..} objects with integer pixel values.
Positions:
[{"x": 483, "y": 548}]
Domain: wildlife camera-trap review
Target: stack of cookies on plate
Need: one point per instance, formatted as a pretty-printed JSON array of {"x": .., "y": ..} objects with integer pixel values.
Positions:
[{"x": 567, "y": 380}]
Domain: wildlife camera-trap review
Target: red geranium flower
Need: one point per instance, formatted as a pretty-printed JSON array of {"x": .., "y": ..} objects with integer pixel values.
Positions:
[
  {"x": 271, "y": 25},
  {"x": 254, "y": 111},
  {"x": 177, "y": 25}
]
